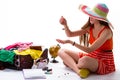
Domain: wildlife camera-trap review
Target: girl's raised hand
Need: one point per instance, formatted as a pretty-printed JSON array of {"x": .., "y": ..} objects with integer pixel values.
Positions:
[{"x": 63, "y": 21}]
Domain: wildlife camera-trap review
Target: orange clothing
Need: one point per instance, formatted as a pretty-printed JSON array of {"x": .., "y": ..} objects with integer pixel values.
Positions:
[
  {"x": 108, "y": 45},
  {"x": 104, "y": 55}
]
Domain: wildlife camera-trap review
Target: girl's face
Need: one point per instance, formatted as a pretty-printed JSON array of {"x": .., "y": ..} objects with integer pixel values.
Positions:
[{"x": 93, "y": 20}]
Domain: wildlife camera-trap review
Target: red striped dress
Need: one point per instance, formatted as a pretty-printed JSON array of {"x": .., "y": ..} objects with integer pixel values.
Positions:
[{"x": 104, "y": 55}]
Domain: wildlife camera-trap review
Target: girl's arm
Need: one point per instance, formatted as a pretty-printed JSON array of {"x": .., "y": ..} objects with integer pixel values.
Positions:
[
  {"x": 105, "y": 35},
  {"x": 68, "y": 32}
]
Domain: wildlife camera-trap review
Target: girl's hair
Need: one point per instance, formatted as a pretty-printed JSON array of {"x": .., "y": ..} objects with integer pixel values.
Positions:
[
  {"x": 85, "y": 37},
  {"x": 104, "y": 23}
]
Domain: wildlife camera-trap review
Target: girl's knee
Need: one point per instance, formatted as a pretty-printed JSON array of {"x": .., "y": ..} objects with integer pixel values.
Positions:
[
  {"x": 88, "y": 62},
  {"x": 61, "y": 52},
  {"x": 84, "y": 59},
  {"x": 82, "y": 62}
]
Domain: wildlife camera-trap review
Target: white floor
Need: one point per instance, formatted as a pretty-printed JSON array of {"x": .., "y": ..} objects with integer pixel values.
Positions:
[{"x": 59, "y": 72}]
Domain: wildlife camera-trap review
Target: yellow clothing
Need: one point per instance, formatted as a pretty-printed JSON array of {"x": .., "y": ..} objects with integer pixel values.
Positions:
[{"x": 35, "y": 54}]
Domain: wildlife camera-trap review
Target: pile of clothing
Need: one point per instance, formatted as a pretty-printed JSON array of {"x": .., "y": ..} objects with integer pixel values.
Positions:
[{"x": 20, "y": 55}]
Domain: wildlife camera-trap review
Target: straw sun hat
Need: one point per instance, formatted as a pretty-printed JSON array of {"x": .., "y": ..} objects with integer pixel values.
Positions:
[{"x": 99, "y": 11}]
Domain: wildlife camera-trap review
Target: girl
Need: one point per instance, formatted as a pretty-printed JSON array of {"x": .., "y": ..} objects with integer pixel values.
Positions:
[{"x": 98, "y": 56}]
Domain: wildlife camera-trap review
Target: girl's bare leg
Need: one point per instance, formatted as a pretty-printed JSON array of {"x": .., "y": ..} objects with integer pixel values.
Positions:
[
  {"x": 70, "y": 58},
  {"x": 88, "y": 62}
]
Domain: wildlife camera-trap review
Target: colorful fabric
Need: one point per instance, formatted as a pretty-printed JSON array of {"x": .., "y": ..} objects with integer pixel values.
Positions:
[
  {"x": 19, "y": 45},
  {"x": 108, "y": 45},
  {"x": 99, "y": 11},
  {"x": 35, "y": 54},
  {"x": 104, "y": 55},
  {"x": 7, "y": 56},
  {"x": 105, "y": 61}
]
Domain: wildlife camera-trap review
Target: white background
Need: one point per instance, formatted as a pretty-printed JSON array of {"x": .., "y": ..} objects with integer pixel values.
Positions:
[{"x": 38, "y": 20}]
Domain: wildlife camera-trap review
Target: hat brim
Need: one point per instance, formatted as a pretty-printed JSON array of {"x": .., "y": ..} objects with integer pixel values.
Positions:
[{"x": 85, "y": 9}]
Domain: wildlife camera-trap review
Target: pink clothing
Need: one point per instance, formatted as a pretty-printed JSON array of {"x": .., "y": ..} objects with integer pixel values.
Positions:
[{"x": 19, "y": 45}]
